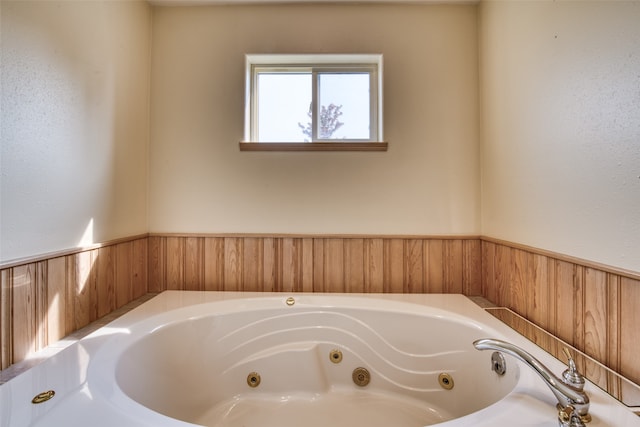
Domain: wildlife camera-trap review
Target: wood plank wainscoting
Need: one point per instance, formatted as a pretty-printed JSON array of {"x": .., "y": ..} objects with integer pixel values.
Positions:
[
  {"x": 46, "y": 298},
  {"x": 592, "y": 307},
  {"x": 315, "y": 264}
]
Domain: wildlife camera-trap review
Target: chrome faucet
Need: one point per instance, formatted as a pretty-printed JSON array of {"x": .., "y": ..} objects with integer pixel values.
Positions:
[{"x": 573, "y": 402}]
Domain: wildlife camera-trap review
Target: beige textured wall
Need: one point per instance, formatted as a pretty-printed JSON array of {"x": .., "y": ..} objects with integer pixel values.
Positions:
[
  {"x": 428, "y": 181},
  {"x": 74, "y": 124},
  {"x": 559, "y": 122},
  {"x": 560, "y": 84}
]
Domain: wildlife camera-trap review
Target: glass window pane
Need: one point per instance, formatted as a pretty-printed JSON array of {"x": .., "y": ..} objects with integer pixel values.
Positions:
[
  {"x": 343, "y": 102},
  {"x": 283, "y": 106}
]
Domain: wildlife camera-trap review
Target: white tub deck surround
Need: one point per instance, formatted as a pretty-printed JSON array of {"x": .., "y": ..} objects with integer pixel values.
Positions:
[{"x": 263, "y": 360}]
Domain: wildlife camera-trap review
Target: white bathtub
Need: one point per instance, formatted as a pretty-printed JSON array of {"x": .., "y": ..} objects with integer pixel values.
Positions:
[{"x": 263, "y": 360}]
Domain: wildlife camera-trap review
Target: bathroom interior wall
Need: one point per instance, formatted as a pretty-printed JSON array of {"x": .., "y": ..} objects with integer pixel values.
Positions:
[
  {"x": 558, "y": 169},
  {"x": 75, "y": 123},
  {"x": 426, "y": 183},
  {"x": 560, "y": 158}
]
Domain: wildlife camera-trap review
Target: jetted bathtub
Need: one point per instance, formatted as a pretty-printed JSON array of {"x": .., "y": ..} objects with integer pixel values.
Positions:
[{"x": 285, "y": 360}]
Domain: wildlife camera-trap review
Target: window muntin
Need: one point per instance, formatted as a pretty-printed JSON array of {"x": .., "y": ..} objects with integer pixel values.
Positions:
[{"x": 313, "y": 98}]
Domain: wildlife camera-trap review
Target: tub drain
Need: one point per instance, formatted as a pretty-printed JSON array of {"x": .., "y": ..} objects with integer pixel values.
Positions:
[{"x": 361, "y": 377}]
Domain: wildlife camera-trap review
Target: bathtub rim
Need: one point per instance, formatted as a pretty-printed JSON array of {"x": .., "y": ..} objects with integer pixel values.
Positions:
[{"x": 106, "y": 360}]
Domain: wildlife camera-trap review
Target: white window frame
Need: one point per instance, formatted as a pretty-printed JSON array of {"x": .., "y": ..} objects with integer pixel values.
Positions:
[{"x": 314, "y": 63}]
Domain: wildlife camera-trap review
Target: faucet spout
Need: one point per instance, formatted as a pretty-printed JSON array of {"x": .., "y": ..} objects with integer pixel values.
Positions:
[{"x": 568, "y": 396}]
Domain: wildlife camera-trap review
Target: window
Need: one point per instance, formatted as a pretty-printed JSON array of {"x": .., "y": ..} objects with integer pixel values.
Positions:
[{"x": 311, "y": 101}]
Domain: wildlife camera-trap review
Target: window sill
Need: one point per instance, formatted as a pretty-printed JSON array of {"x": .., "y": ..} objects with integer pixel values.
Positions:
[{"x": 313, "y": 146}]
